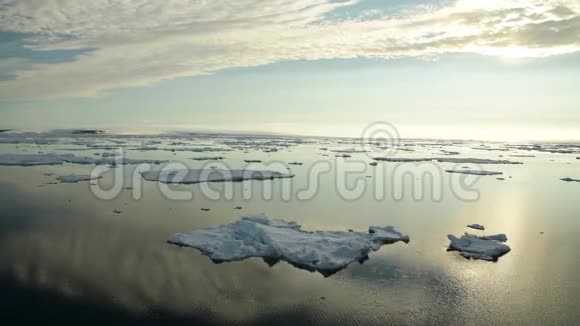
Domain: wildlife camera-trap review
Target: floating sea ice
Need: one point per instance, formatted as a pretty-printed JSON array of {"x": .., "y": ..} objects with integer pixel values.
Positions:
[
  {"x": 57, "y": 159},
  {"x": 258, "y": 236},
  {"x": 445, "y": 160},
  {"x": 208, "y": 158},
  {"x": 188, "y": 176},
  {"x": 32, "y": 159},
  {"x": 474, "y": 172},
  {"x": 479, "y": 247},
  {"x": 474, "y": 161},
  {"x": 476, "y": 226},
  {"x": 349, "y": 151},
  {"x": 401, "y": 159},
  {"x": 182, "y": 149},
  {"x": 73, "y": 178},
  {"x": 570, "y": 180}
]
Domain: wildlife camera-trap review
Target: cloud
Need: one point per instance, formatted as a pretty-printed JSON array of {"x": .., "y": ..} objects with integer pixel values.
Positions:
[{"x": 137, "y": 43}]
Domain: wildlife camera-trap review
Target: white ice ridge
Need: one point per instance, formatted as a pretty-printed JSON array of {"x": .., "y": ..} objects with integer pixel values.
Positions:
[
  {"x": 273, "y": 240},
  {"x": 445, "y": 160},
  {"x": 73, "y": 178},
  {"x": 57, "y": 159},
  {"x": 188, "y": 176},
  {"x": 474, "y": 172},
  {"x": 479, "y": 247}
]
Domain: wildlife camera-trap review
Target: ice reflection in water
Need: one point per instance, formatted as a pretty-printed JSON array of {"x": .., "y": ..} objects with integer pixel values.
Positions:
[{"x": 60, "y": 239}]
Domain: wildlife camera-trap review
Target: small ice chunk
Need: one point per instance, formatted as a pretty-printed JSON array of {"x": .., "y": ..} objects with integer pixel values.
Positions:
[
  {"x": 253, "y": 161},
  {"x": 87, "y": 132},
  {"x": 401, "y": 159},
  {"x": 479, "y": 247},
  {"x": 295, "y": 163},
  {"x": 446, "y": 152},
  {"x": 349, "y": 151},
  {"x": 208, "y": 158},
  {"x": 476, "y": 226},
  {"x": 258, "y": 236},
  {"x": 474, "y": 172},
  {"x": 190, "y": 176},
  {"x": 73, "y": 178},
  {"x": 570, "y": 180}
]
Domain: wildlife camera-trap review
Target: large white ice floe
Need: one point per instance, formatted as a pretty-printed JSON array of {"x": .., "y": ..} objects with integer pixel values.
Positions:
[
  {"x": 457, "y": 160},
  {"x": 57, "y": 159},
  {"x": 479, "y": 247},
  {"x": 74, "y": 178},
  {"x": 273, "y": 240},
  {"x": 188, "y": 176},
  {"x": 474, "y": 172}
]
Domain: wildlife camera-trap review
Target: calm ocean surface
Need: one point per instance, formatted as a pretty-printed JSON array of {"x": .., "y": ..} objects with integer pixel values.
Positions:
[{"x": 66, "y": 255}]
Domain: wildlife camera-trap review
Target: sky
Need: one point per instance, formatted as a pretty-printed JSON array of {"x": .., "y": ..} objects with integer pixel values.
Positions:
[{"x": 472, "y": 69}]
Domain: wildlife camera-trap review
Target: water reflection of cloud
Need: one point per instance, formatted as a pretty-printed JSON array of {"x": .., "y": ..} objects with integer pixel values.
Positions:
[
  {"x": 84, "y": 255},
  {"x": 61, "y": 240}
]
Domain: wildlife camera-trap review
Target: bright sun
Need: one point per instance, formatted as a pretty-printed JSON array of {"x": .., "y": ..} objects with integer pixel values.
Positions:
[{"x": 516, "y": 51}]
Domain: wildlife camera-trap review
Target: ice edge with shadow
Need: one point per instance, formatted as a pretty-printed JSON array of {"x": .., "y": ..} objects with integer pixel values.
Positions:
[
  {"x": 489, "y": 248},
  {"x": 191, "y": 176},
  {"x": 326, "y": 252}
]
